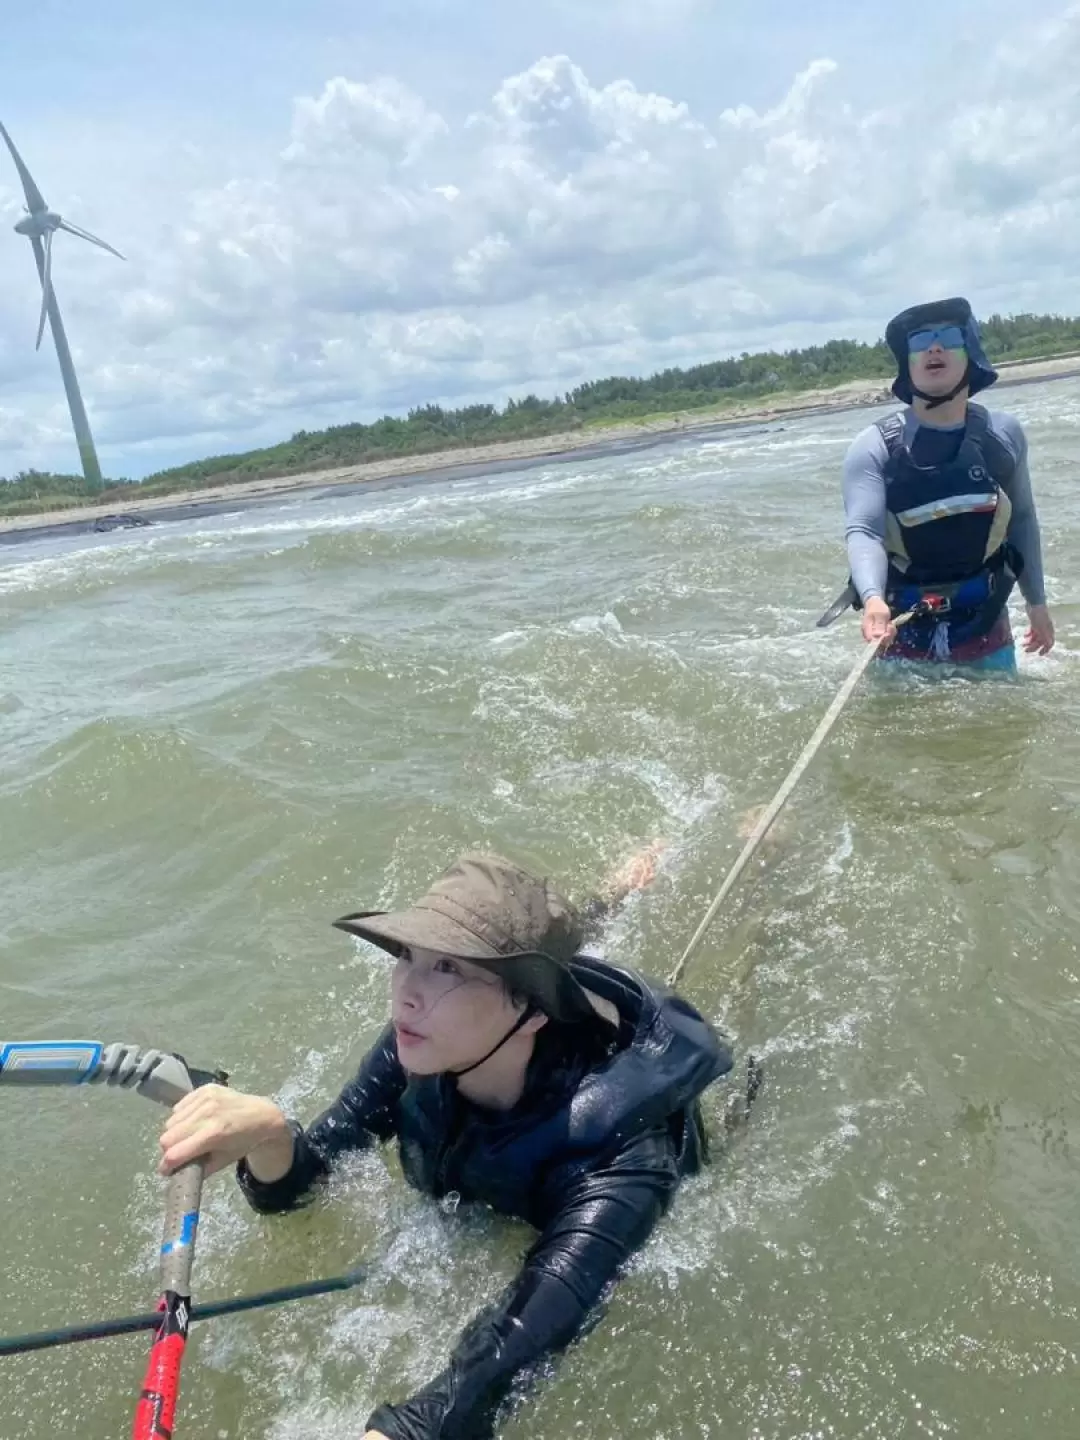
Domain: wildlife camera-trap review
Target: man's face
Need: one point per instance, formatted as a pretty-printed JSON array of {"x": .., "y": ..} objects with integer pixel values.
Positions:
[{"x": 937, "y": 358}]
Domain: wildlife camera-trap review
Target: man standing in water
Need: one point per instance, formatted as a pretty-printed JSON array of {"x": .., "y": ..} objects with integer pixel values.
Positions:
[
  {"x": 939, "y": 504},
  {"x": 516, "y": 1072}
]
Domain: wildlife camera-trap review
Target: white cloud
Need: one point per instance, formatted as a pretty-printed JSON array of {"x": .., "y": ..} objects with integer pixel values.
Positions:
[{"x": 387, "y": 255}]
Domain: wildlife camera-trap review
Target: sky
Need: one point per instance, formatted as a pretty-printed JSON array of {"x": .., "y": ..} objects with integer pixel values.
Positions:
[{"x": 342, "y": 208}]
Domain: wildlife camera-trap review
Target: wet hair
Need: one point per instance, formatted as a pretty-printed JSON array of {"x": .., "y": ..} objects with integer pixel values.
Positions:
[
  {"x": 561, "y": 1038},
  {"x": 517, "y": 997},
  {"x": 561, "y": 1045}
]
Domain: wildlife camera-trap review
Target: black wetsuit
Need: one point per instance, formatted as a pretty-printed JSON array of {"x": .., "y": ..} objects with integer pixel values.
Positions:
[{"x": 590, "y": 1156}]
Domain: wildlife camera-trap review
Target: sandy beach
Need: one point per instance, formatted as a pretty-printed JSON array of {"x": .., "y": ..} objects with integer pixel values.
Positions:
[{"x": 506, "y": 454}]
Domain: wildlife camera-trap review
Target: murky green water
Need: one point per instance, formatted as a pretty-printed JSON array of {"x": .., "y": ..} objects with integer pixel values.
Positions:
[{"x": 218, "y": 736}]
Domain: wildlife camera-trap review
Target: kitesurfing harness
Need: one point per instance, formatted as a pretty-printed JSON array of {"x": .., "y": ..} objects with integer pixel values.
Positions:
[{"x": 945, "y": 534}]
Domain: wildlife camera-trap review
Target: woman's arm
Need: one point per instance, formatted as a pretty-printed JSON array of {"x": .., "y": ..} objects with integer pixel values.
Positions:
[
  {"x": 365, "y": 1111},
  {"x": 635, "y": 874},
  {"x": 599, "y": 1219}
]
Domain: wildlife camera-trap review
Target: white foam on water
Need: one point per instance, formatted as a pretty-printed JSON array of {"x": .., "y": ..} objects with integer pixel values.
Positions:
[
  {"x": 318, "y": 1419},
  {"x": 115, "y": 559},
  {"x": 605, "y": 626},
  {"x": 96, "y": 558},
  {"x": 305, "y": 1081},
  {"x": 436, "y": 1269},
  {"x": 436, "y": 504},
  {"x": 509, "y": 639},
  {"x": 506, "y": 698},
  {"x": 686, "y": 805},
  {"x": 836, "y": 862},
  {"x": 1058, "y": 405}
]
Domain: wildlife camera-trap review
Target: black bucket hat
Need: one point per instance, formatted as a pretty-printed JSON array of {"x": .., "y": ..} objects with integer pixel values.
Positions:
[
  {"x": 955, "y": 311},
  {"x": 489, "y": 911}
]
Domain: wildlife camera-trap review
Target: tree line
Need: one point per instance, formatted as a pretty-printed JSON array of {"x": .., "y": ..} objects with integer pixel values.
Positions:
[{"x": 429, "y": 428}]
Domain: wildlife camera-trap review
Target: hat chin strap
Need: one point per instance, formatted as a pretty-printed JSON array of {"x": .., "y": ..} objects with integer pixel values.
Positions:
[
  {"x": 529, "y": 1011},
  {"x": 933, "y": 401}
]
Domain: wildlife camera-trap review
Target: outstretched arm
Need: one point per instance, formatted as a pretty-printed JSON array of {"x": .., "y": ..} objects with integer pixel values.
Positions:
[
  {"x": 637, "y": 873},
  {"x": 599, "y": 1221},
  {"x": 1024, "y": 534},
  {"x": 1024, "y": 522}
]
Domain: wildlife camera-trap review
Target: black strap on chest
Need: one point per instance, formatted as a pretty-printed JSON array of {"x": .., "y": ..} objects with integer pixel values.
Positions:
[
  {"x": 892, "y": 431},
  {"x": 999, "y": 459}
]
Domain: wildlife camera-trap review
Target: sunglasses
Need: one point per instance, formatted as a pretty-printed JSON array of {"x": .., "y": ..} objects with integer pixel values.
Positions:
[{"x": 949, "y": 337}]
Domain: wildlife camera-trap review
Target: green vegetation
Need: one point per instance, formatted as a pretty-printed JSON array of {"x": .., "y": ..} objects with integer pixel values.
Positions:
[{"x": 714, "y": 386}]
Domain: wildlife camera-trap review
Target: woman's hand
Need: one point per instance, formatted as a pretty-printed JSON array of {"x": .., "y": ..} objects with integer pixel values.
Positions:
[
  {"x": 636, "y": 874},
  {"x": 222, "y": 1126}
]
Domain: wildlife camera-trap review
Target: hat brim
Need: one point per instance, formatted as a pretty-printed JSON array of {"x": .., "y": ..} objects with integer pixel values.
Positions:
[
  {"x": 542, "y": 978},
  {"x": 551, "y": 985},
  {"x": 417, "y": 927}
]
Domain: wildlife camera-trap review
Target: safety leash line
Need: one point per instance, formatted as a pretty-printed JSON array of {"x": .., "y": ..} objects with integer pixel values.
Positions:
[{"x": 764, "y": 825}]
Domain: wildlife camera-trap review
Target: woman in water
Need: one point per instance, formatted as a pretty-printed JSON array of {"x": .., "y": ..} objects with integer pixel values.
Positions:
[{"x": 516, "y": 1071}]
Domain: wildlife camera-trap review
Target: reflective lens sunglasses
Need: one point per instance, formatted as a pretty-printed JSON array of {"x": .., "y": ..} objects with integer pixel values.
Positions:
[{"x": 949, "y": 337}]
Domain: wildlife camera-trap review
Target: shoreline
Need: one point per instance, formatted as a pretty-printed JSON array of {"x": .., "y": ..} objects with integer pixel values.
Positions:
[{"x": 469, "y": 461}]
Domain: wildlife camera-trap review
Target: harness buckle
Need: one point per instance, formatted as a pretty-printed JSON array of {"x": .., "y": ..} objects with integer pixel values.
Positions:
[{"x": 933, "y": 605}]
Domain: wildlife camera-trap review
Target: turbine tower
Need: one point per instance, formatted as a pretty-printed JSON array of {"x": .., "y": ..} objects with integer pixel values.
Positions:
[{"x": 39, "y": 226}]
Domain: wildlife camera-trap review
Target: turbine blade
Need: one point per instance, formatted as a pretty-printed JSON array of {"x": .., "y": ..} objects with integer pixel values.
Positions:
[
  {"x": 34, "y": 198},
  {"x": 85, "y": 235},
  {"x": 46, "y": 286}
]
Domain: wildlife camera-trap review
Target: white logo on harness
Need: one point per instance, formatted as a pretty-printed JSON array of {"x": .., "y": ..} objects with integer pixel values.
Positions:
[{"x": 978, "y": 475}]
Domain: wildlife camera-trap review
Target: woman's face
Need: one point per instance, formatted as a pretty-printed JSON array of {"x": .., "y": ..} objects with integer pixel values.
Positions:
[{"x": 448, "y": 1013}]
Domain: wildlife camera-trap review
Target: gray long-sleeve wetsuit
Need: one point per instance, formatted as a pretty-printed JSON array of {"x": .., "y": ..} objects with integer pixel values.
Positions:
[{"x": 864, "y": 499}]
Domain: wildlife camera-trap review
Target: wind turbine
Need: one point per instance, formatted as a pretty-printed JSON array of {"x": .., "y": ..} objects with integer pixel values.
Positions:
[{"x": 39, "y": 226}]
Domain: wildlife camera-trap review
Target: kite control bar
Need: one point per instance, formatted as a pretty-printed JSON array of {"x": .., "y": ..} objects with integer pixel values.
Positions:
[
  {"x": 165, "y": 1079},
  {"x": 154, "y": 1074}
]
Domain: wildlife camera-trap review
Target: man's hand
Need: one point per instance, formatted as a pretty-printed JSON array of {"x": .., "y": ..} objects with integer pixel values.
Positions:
[
  {"x": 374, "y": 1435},
  {"x": 1039, "y": 639},
  {"x": 877, "y": 621}
]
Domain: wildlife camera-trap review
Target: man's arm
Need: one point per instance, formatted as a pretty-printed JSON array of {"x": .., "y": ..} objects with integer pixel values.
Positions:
[
  {"x": 365, "y": 1111},
  {"x": 600, "y": 1220},
  {"x": 1024, "y": 523},
  {"x": 865, "y": 511}
]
